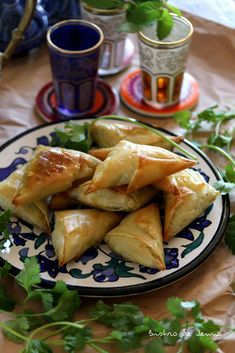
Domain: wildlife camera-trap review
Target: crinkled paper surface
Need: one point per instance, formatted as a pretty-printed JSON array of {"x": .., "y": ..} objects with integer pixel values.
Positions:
[{"x": 212, "y": 63}]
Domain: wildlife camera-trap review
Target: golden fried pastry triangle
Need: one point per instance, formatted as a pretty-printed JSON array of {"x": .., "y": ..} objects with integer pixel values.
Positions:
[
  {"x": 35, "y": 213},
  {"x": 138, "y": 238},
  {"x": 115, "y": 199},
  {"x": 77, "y": 230},
  {"x": 136, "y": 166},
  {"x": 108, "y": 134},
  {"x": 52, "y": 170},
  {"x": 195, "y": 195}
]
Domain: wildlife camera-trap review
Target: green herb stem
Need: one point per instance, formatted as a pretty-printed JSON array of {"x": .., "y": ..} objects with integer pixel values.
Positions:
[
  {"x": 56, "y": 342},
  {"x": 155, "y": 131},
  {"x": 52, "y": 324},
  {"x": 221, "y": 151},
  {"x": 97, "y": 348},
  {"x": 13, "y": 332},
  {"x": 54, "y": 333}
]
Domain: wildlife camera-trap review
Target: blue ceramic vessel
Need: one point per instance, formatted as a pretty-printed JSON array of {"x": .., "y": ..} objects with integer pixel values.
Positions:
[
  {"x": 74, "y": 47},
  {"x": 11, "y": 12}
]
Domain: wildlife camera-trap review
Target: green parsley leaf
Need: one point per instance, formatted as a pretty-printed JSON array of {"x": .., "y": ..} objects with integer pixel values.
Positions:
[
  {"x": 20, "y": 325},
  {"x": 6, "y": 302},
  {"x": 196, "y": 312},
  {"x": 183, "y": 119},
  {"x": 164, "y": 24},
  {"x": 220, "y": 140},
  {"x": 207, "y": 343},
  {"x": 4, "y": 271},
  {"x": 172, "y": 331},
  {"x": 155, "y": 346},
  {"x": 76, "y": 339},
  {"x": 210, "y": 327},
  {"x": 174, "y": 305},
  {"x": 66, "y": 307},
  {"x": 230, "y": 234},
  {"x": 214, "y": 115},
  {"x": 120, "y": 316},
  {"x": 73, "y": 136},
  {"x": 230, "y": 173},
  {"x": 148, "y": 325},
  {"x": 194, "y": 344},
  {"x": 37, "y": 346},
  {"x": 5, "y": 218},
  {"x": 126, "y": 340},
  {"x": 30, "y": 275},
  {"x": 60, "y": 287},
  {"x": 47, "y": 300}
]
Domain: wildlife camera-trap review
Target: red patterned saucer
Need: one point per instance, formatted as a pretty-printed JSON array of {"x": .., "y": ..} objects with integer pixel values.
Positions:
[
  {"x": 106, "y": 102},
  {"x": 131, "y": 95},
  {"x": 129, "y": 52}
]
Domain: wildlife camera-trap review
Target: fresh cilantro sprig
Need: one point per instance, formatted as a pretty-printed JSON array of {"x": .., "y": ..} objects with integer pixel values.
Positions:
[
  {"x": 129, "y": 328},
  {"x": 219, "y": 141},
  {"x": 73, "y": 136},
  {"x": 230, "y": 234},
  {"x": 4, "y": 228},
  {"x": 141, "y": 14}
]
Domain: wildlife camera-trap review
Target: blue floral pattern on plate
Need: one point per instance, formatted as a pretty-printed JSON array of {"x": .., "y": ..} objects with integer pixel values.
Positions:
[{"x": 98, "y": 268}]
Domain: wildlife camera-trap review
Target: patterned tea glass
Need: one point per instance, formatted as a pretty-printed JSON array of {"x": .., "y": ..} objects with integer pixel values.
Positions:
[
  {"x": 163, "y": 63},
  {"x": 113, "y": 48},
  {"x": 74, "y": 47}
]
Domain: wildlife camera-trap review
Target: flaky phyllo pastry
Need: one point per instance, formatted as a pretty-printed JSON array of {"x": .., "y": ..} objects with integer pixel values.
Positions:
[
  {"x": 115, "y": 199},
  {"x": 52, "y": 170},
  {"x": 35, "y": 213},
  {"x": 115, "y": 190},
  {"x": 138, "y": 238},
  {"x": 107, "y": 134},
  {"x": 77, "y": 230},
  {"x": 194, "y": 197},
  {"x": 136, "y": 166}
]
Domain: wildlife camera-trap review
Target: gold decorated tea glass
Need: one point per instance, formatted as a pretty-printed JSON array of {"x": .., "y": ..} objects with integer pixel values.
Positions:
[
  {"x": 113, "y": 49},
  {"x": 163, "y": 63}
]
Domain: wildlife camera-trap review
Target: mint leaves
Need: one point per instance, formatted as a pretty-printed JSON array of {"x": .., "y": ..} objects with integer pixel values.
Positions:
[
  {"x": 141, "y": 14},
  {"x": 104, "y": 4},
  {"x": 129, "y": 328}
]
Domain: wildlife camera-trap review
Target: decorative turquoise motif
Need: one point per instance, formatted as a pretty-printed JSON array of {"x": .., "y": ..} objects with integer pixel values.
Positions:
[{"x": 194, "y": 245}]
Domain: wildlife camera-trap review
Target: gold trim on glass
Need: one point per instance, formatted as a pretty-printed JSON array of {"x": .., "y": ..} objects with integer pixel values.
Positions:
[
  {"x": 74, "y": 52},
  {"x": 103, "y": 12},
  {"x": 167, "y": 45}
]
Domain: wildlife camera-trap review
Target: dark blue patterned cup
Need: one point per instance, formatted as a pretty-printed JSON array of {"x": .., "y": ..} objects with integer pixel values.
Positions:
[{"x": 74, "y": 47}]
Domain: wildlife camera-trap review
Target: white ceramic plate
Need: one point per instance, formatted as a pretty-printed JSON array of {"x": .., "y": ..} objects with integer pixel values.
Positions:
[{"x": 100, "y": 272}]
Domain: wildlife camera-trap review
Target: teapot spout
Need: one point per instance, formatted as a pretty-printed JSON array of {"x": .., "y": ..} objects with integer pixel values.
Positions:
[{"x": 18, "y": 33}]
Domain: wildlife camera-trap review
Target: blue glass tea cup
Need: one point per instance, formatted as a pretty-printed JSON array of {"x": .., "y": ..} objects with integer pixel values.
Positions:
[{"x": 74, "y": 48}]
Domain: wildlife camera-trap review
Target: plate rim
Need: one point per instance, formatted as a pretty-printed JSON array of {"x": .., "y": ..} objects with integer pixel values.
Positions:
[{"x": 135, "y": 289}]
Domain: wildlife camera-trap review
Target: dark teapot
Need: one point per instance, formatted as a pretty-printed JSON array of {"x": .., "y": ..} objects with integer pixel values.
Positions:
[{"x": 18, "y": 33}]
